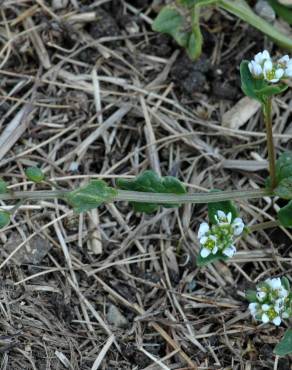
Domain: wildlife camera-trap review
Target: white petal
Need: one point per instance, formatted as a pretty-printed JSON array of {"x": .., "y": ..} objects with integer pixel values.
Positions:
[
  {"x": 221, "y": 214},
  {"x": 277, "y": 320},
  {"x": 203, "y": 229},
  {"x": 288, "y": 72},
  {"x": 238, "y": 226},
  {"x": 266, "y": 54},
  {"x": 283, "y": 293},
  {"x": 255, "y": 69},
  {"x": 265, "y": 318},
  {"x": 266, "y": 307},
  {"x": 268, "y": 66},
  {"x": 284, "y": 60},
  {"x": 213, "y": 237},
  {"x": 203, "y": 240},
  {"x": 279, "y": 73},
  {"x": 229, "y": 217},
  {"x": 274, "y": 283},
  {"x": 253, "y": 308},
  {"x": 261, "y": 295},
  {"x": 205, "y": 252},
  {"x": 230, "y": 251},
  {"x": 261, "y": 57},
  {"x": 215, "y": 250},
  {"x": 285, "y": 315}
]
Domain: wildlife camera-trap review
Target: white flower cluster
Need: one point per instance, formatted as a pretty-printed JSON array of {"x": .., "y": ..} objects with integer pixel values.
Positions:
[
  {"x": 263, "y": 67},
  {"x": 272, "y": 302},
  {"x": 220, "y": 237}
]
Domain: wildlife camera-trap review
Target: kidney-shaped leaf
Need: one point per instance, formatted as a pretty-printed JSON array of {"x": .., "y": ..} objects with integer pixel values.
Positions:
[
  {"x": 284, "y": 347},
  {"x": 150, "y": 182}
]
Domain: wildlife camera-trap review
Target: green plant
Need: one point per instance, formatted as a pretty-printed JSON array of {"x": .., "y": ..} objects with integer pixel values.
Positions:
[
  {"x": 181, "y": 20},
  {"x": 261, "y": 79}
]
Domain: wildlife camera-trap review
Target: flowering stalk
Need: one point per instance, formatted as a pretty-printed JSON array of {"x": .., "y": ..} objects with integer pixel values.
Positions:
[
  {"x": 267, "y": 113},
  {"x": 146, "y": 197}
]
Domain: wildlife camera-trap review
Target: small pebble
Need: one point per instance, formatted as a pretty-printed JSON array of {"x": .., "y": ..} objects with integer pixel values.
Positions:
[
  {"x": 59, "y": 4},
  {"x": 115, "y": 317},
  {"x": 265, "y": 11}
]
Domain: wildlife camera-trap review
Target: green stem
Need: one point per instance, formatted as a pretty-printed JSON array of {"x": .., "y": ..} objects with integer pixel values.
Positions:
[
  {"x": 267, "y": 112},
  {"x": 242, "y": 10},
  {"x": 144, "y": 197}
]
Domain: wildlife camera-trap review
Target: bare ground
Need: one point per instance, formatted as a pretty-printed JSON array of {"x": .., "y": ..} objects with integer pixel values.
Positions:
[{"x": 88, "y": 90}]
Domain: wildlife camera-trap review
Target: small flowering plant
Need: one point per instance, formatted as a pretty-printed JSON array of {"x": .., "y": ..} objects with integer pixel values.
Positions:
[
  {"x": 271, "y": 302},
  {"x": 217, "y": 241}
]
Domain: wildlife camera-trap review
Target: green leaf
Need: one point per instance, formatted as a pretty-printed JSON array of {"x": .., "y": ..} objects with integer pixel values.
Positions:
[
  {"x": 286, "y": 283},
  {"x": 283, "y": 168},
  {"x": 34, "y": 174},
  {"x": 251, "y": 295},
  {"x": 284, "y": 189},
  {"x": 211, "y": 258},
  {"x": 285, "y": 215},
  {"x": 284, "y": 347},
  {"x": 225, "y": 206},
  {"x": 90, "y": 196},
  {"x": 173, "y": 23},
  {"x": 3, "y": 187},
  {"x": 270, "y": 90},
  {"x": 150, "y": 182},
  {"x": 282, "y": 11},
  {"x": 4, "y": 218}
]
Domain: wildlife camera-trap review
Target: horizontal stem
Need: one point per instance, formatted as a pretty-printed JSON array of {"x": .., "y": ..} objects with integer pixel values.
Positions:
[{"x": 144, "y": 197}]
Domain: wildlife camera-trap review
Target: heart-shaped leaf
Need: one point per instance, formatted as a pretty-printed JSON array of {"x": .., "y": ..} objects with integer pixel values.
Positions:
[
  {"x": 285, "y": 215},
  {"x": 90, "y": 196},
  {"x": 283, "y": 168},
  {"x": 284, "y": 189},
  {"x": 284, "y": 347},
  {"x": 150, "y": 182}
]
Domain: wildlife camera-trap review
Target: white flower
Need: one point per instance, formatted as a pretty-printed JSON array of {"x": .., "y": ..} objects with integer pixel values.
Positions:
[
  {"x": 274, "y": 283},
  {"x": 203, "y": 229},
  {"x": 277, "y": 320},
  {"x": 238, "y": 226},
  {"x": 253, "y": 307},
  {"x": 265, "y": 318},
  {"x": 229, "y": 251},
  {"x": 255, "y": 69},
  {"x": 260, "y": 58},
  {"x": 205, "y": 252},
  {"x": 271, "y": 73}
]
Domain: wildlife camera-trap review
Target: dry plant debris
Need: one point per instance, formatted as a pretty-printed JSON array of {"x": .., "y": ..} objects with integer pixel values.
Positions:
[{"x": 88, "y": 90}]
